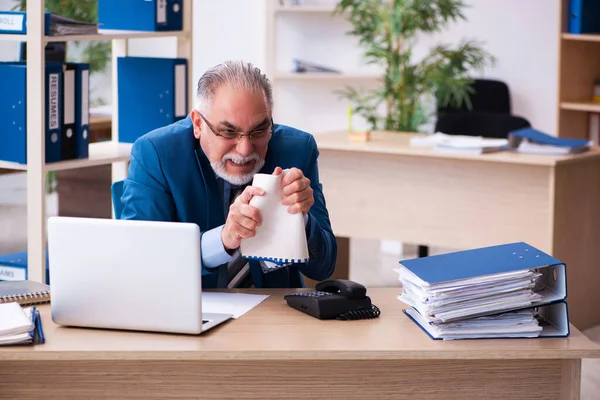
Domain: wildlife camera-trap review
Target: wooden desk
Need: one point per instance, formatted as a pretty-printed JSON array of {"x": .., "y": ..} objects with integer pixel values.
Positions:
[
  {"x": 385, "y": 189},
  {"x": 275, "y": 352}
]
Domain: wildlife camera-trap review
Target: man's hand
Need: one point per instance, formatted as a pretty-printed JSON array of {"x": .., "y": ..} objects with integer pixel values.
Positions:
[
  {"x": 242, "y": 219},
  {"x": 296, "y": 191}
]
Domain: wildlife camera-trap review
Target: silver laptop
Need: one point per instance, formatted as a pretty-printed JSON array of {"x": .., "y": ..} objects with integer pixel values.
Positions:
[{"x": 122, "y": 274}]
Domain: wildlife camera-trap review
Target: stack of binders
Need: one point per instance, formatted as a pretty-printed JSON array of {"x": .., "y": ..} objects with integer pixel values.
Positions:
[
  {"x": 507, "y": 291},
  {"x": 66, "y": 111}
]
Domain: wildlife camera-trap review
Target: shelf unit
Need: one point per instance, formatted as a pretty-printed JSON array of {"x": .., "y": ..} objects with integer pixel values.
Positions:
[
  {"x": 105, "y": 153},
  {"x": 578, "y": 69},
  {"x": 325, "y": 76},
  {"x": 316, "y": 86}
]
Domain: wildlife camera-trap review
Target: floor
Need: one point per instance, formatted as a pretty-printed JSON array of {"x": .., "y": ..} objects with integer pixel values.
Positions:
[{"x": 380, "y": 257}]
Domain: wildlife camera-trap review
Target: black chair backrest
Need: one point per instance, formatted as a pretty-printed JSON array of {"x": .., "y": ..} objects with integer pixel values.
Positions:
[
  {"x": 492, "y": 125},
  {"x": 488, "y": 96}
]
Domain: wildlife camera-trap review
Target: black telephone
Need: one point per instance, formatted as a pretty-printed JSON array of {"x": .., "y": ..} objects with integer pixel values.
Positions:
[{"x": 338, "y": 298}]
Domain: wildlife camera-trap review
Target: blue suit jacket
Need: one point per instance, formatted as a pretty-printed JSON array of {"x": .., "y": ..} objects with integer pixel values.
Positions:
[{"x": 170, "y": 179}]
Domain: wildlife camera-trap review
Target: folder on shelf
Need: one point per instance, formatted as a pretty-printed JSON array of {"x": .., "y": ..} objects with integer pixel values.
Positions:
[
  {"x": 584, "y": 16},
  {"x": 156, "y": 88},
  {"x": 13, "y": 99},
  {"x": 141, "y": 15},
  {"x": 69, "y": 129},
  {"x": 15, "y": 22},
  {"x": 76, "y": 114},
  {"x": 13, "y": 267},
  {"x": 448, "y": 294}
]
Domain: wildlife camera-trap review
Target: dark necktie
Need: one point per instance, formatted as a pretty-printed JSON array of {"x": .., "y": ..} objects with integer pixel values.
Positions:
[{"x": 238, "y": 270}]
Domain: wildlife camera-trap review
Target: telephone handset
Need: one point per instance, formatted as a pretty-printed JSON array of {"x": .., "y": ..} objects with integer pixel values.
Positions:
[{"x": 338, "y": 298}]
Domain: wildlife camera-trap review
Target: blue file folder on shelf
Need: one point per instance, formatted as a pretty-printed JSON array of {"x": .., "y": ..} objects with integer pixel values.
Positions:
[
  {"x": 461, "y": 291},
  {"x": 156, "y": 88},
  {"x": 13, "y": 99},
  {"x": 13, "y": 267},
  {"x": 76, "y": 113},
  {"x": 15, "y": 22},
  {"x": 141, "y": 15},
  {"x": 584, "y": 16}
]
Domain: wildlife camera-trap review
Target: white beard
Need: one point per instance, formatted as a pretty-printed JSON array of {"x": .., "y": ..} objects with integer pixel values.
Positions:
[{"x": 221, "y": 172}]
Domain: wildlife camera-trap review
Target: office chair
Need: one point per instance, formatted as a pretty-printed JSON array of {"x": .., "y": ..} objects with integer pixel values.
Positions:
[
  {"x": 486, "y": 124},
  {"x": 116, "y": 190},
  {"x": 488, "y": 96},
  {"x": 490, "y": 116}
]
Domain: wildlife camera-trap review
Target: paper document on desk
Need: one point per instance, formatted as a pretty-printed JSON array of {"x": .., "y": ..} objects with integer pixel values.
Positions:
[
  {"x": 459, "y": 144},
  {"x": 236, "y": 304}
]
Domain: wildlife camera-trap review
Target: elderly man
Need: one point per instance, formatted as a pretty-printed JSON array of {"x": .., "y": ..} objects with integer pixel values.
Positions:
[{"x": 199, "y": 170}]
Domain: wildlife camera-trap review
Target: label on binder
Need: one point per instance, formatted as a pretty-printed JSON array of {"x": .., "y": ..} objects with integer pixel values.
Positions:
[
  {"x": 69, "y": 97},
  {"x": 85, "y": 98},
  {"x": 12, "y": 274},
  {"x": 53, "y": 101},
  {"x": 11, "y": 22},
  {"x": 161, "y": 11},
  {"x": 180, "y": 91}
]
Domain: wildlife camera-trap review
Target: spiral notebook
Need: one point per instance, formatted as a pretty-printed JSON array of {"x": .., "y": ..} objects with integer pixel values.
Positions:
[
  {"x": 281, "y": 238},
  {"x": 24, "y": 292}
]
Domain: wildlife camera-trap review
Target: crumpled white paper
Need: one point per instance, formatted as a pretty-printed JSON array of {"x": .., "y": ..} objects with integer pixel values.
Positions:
[{"x": 281, "y": 238}]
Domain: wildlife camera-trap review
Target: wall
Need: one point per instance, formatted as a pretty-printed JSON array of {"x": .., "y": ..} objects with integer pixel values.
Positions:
[{"x": 521, "y": 34}]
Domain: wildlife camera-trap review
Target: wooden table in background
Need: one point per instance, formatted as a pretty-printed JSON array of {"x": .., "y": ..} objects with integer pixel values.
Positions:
[
  {"x": 276, "y": 352},
  {"x": 385, "y": 189}
]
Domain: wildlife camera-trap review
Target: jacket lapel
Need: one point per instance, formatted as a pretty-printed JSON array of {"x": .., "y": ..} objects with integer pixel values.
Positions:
[{"x": 209, "y": 192}]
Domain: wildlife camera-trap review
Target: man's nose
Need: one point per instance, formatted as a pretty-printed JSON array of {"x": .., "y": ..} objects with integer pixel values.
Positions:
[{"x": 244, "y": 146}]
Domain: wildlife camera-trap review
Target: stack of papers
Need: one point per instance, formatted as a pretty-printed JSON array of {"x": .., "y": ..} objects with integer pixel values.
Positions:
[
  {"x": 20, "y": 325},
  {"x": 458, "y": 144},
  {"x": 518, "y": 324},
  {"x": 504, "y": 291},
  {"x": 60, "y": 26},
  {"x": 469, "y": 298}
]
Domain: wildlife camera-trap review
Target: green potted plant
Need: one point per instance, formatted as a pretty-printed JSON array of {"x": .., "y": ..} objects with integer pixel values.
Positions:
[{"x": 387, "y": 31}]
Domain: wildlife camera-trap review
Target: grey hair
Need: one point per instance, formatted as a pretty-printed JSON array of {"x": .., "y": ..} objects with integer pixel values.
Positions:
[{"x": 238, "y": 74}]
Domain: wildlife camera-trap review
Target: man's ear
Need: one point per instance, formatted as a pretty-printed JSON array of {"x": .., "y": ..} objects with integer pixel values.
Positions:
[{"x": 197, "y": 120}]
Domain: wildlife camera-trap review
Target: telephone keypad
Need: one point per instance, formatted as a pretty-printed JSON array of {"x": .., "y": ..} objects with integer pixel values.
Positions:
[{"x": 313, "y": 294}]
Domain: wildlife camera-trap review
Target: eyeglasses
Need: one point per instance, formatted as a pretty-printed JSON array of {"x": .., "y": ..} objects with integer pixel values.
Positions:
[{"x": 230, "y": 134}]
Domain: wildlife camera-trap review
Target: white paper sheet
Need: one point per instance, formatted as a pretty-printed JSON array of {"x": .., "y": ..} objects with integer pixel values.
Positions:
[
  {"x": 236, "y": 304},
  {"x": 282, "y": 237}
]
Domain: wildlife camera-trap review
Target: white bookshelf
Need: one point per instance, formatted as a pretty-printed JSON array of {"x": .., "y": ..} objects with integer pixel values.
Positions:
[
  {"x": 326, "y": 76},
  {"x": 101, "y": 35},
  {"x": 103, "y": 153},
  {"x": 304, "y": 8},
  {"x": 314, "y": 33}
]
